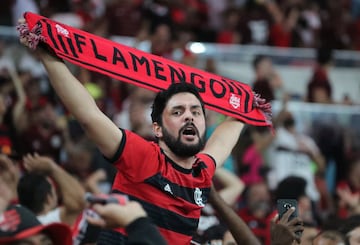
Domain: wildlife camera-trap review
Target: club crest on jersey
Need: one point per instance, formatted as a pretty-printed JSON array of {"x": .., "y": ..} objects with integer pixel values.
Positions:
[{"x": 198, "y": 197}]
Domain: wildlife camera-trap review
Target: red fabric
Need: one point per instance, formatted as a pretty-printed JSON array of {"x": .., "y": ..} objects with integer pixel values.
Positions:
[
  {"x": 279, "y": 37},
  {"x": 260, "y": 227},
  {"x": 145, "y": 70},
  {"x": 226, "y": 37},
  {"x": 343, "y": 211},
  {"x": 169, "y": 189}
]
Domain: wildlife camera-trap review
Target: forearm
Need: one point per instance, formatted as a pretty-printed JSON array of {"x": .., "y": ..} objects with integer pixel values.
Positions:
[
  {"x": 71, "y": 190},
  {"x": 223, "y": 139},
  {"x": 71, "y": 92},
  {"x": 238, "y": 228},
  {"x": 232, "y": 186}
]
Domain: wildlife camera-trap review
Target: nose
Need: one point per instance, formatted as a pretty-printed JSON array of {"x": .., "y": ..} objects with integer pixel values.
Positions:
[{"x": 189, "y": 116}]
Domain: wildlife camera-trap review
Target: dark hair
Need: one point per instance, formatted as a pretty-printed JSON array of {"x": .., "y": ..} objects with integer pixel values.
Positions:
[
  {"x": 258, "y": 59},
  {"x": 348, "y": 225},
  {"x": 324, "y": 55},
  {"x": 163, "y": 97},
  {"x": 291, "y": 187},
  {"x": 33, "y": 190}
]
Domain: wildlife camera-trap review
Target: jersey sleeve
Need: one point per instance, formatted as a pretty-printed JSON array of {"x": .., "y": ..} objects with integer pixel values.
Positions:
[{"x": 136, "y": 157}]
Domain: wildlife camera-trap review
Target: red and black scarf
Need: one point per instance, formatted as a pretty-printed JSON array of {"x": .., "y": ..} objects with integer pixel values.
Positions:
[{"x": 226, "y": 96}]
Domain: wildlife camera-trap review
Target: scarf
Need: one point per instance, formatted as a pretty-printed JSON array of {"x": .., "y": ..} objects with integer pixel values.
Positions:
[{"x": 127, "y": 64}]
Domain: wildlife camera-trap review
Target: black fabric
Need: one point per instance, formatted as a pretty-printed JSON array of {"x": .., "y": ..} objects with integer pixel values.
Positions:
[{"x": 142, "y": 231}]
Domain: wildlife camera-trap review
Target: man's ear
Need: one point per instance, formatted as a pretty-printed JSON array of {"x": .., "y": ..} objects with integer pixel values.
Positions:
[{"x": 157, "y": 130}]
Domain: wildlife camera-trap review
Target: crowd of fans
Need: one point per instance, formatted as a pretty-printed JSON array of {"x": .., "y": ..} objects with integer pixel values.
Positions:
[
  {"x": 282, "y": 23},
  {"x": 47, "y": 163}
]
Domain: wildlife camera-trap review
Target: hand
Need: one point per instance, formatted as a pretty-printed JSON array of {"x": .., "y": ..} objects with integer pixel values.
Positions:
[
  {"x": 9, "y": 173},
  {"x": 114, "y": 215},
  {"x": 350, "y": 199},
  {"x": 92, "y": 181},
  {"x": 6, "y": 195},
  {"x": 285, "y": 231},
  {"x": 39, "y": 164}
]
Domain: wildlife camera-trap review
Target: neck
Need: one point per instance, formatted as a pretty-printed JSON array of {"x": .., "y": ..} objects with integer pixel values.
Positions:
[{"x": 184, "y": 162}]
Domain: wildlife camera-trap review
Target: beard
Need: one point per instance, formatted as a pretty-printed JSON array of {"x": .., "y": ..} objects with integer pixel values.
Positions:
[{"x": 181, "y": 149}]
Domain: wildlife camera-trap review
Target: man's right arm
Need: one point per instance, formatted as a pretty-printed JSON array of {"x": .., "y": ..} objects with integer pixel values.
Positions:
[
  {"x": 100, "y": 129},
  {"x": 238, "y": 228}
]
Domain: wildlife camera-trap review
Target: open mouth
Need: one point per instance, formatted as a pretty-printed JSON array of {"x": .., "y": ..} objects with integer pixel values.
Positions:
[{"x": 189, "y": 130}]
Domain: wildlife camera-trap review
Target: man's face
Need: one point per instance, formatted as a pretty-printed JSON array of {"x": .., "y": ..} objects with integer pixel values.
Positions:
[
  {"x": 183, "y": 125},
  {"x": 38, "y": 239}
]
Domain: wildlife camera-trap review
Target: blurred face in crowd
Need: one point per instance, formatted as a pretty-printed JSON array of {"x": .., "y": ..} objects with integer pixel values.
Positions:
[
  {"x": 265, "y": 69},
  {"x": 161, "y": 40},
  {"x": 354, "y": 175},
  {"x": 329, "y": 238},
  {"x": 320, "y": 95},
  {"x": 38, "y": 239},
  {"x": 259, "y": 200},
  {"x": 140, "y": 110},
  {"x": 305, "y": 209},
  {"x": 354, "y": 236},
  {"x": 308, "y": 235}
]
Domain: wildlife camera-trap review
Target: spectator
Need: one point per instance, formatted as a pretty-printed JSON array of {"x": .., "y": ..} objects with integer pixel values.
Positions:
[
  {"x": 20, "y": 226},
  {"x": 350, "y": 228},
  {"x": 348, "y": 191},
  {"x": 124, "y": 18},
  {"x": 309, "y": 234},
  {"x": 45, "y": 133},
  {"x": 135, "y": 115},
  {"x": 319, "y": 89},
  {"x": 258, "y": 211},
  {"x": 229, "y": 34},
  {"x": 254, "y": 24},
  {"x": 267, "y": 82},
  {"x": 178, "y": 165},
  {"x": 293, "y": 154},
  {"x": 37, "y": 192},
  {"x": 329, "y": 237},
  {"x": 250, "y": 154},
  {"x": 295, "y": 188}
]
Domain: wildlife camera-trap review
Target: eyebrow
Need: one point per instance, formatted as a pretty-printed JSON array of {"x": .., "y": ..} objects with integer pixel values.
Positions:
[{"x": 182, "y": 107}]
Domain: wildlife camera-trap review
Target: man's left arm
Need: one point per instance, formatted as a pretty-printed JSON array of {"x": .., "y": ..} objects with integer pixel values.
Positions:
[{"x": 223, "y": 140}]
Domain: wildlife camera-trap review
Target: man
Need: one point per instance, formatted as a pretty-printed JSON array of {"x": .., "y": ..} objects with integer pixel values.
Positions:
[
  {"x": 19, "y": 225},
  {"x": 268, "y": 82},
  {"x": 171, "y": 179},
  {"x": 37, "y": 192}
]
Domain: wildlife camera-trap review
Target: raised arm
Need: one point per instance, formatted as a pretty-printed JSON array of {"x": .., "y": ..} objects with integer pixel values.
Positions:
[
  {"x": 79, "y": 102},
  {"x": 223, "y": 140},
  {"x": 104, "y": 133},
  {"x": 71, "y": 190},
  {"x": 232, "y": 186}
]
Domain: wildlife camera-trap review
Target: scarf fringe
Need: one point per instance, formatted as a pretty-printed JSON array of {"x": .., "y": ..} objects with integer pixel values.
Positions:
[
  {"x": 262, "y": 105},
  {"x": 33, "y": 36}
]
